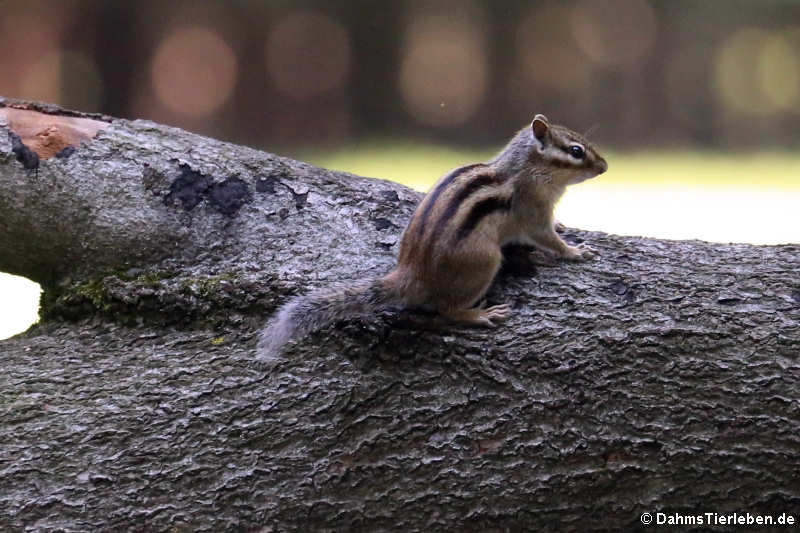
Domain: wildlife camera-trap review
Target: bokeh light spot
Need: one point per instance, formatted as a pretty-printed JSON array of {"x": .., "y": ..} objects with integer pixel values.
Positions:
[
  {"x": 307, "y": 53},
  {"x": 736, "y": 72},
  {"x": 443, "y": 70},
  {"x": 779, "y": 73},
  {"x": 194, "y": 71},
  {"x": 614, "y": 33},
  {"x": 39, "y": 38},
  {"x": 42, "y": 79}
]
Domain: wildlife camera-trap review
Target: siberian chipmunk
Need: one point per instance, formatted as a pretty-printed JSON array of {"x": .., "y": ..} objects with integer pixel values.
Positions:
[{"x": 450, "y": 250}]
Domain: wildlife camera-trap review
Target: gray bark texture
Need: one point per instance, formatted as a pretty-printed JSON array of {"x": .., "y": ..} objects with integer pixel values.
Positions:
[{"x": 662, "y": 376}]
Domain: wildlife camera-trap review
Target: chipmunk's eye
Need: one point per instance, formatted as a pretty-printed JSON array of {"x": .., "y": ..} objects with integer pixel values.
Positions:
[{"x": 576, "y": 151}]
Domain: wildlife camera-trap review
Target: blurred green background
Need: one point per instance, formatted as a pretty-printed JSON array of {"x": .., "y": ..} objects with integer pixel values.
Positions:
[{"x": 696, "y": 105}]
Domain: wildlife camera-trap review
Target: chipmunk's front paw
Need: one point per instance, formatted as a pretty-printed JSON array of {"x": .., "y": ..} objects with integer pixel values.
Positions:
[{"x": 582, "y": 252}]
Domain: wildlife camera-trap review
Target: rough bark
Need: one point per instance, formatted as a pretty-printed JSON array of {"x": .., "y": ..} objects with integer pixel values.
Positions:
[{"x": 660, "y": 377}]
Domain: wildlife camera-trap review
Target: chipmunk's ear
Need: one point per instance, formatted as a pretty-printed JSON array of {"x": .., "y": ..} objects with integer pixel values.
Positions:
[{"x": 540, "y": 127}]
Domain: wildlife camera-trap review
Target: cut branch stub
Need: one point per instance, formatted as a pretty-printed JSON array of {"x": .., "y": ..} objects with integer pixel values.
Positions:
[{"x": 48, "y": 135}]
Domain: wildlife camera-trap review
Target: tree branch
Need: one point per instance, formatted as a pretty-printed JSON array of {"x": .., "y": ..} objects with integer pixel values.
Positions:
[{"x": 661, "y": 376}]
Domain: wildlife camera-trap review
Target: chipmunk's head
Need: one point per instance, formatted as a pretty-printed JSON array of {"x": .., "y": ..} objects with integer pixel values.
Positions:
[{"x": 569, "y": 153}]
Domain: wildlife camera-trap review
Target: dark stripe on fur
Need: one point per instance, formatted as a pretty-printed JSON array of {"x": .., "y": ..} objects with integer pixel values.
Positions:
[
  {"x": 474, "y": 185},
  {"x": 436, "y": 192},
  {"x": 480, "y": 210}
]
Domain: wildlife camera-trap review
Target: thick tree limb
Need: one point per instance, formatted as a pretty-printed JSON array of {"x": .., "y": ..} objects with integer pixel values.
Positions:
[{"x": 662, "y": 376}]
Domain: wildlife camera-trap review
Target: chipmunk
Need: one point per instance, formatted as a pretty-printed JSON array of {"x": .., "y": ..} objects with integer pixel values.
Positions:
[{"x": 451, "y": 249}]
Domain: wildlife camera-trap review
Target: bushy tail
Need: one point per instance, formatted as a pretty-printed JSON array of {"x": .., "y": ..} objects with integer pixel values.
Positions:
[{"x": 304, "y": 314}]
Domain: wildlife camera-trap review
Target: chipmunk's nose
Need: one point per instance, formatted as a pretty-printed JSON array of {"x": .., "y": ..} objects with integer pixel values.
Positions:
[{"x": 602, "y": 165}]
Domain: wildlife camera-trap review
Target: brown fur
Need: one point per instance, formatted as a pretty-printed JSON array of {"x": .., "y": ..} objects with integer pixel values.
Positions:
[{"x": 450, "y": 251}]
